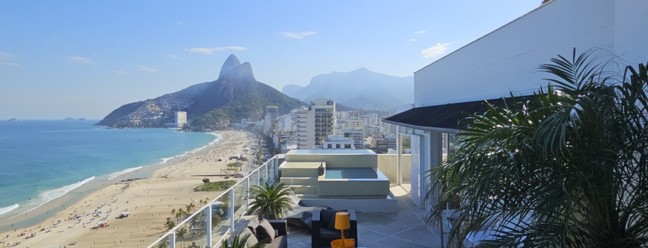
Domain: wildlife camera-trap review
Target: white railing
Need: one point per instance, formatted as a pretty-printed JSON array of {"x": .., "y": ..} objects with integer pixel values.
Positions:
[{"x": 207, "y": 226}]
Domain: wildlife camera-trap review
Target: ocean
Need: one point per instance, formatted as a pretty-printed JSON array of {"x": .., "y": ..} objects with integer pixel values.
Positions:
[{"x": 44, "y": 160}]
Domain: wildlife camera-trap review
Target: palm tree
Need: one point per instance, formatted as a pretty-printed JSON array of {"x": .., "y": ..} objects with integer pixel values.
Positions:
[
  {"x": 270, "y": 200},
  {"x": 181, "y": 234},
  {"x": 169, "y": 224},
  {"x": 567, "y": 168},
  {"x": 190, "y": 207},
  {"x": 179, "y": 214}
]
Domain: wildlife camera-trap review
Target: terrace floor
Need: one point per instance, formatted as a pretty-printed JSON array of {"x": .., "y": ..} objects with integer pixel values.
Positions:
[{"x": 405, "y": 228}]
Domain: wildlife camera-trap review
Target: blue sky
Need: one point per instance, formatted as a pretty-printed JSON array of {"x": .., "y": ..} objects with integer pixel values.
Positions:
[{"x": 85, "y": 58}]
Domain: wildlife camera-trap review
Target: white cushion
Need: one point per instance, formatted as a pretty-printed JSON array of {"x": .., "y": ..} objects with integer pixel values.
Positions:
[
  {"x": 265, "y": 224},
  {"x": 252, "y": 240}
]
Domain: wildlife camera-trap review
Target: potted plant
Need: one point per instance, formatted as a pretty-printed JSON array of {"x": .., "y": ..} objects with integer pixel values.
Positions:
[{"x": 270, "y": 200}]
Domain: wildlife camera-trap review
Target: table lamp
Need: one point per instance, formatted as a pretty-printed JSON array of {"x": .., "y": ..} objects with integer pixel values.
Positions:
[{"x": 342, "y": 223}]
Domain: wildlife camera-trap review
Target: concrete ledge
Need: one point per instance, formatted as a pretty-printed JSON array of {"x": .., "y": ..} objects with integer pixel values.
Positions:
[{"x": 386, "y": 205}]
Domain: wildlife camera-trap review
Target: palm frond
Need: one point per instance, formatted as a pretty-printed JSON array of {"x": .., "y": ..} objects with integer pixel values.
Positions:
[
  {"x": 270, "y": 200},
  {"x": 568, "y": 168}
]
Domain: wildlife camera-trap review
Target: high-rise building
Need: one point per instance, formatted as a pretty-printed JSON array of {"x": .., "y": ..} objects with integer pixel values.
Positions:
[
  {"x": 181, "y": 119},
  {"x": 269, "y": 122},
  {"x": 315, "y": 123}
]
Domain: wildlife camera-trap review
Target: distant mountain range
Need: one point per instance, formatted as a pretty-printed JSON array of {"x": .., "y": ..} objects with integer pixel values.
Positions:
[
  {"x": 211, "y": 105},
  {"x": 361, "y": 89}
]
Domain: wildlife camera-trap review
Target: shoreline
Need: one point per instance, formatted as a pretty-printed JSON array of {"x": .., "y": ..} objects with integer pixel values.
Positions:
[
  {"x": 37, "y": 215},
  {"x": 157, "y": 189}
]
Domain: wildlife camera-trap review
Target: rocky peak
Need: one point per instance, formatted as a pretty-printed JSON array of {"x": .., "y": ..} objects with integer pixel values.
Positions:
[
  {"x": 234, "y": 71},
  {"x": 230, "y": 63}
]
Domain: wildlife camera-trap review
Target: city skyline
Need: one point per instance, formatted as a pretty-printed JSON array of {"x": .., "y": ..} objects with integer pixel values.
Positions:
[{"x": 84, "y": 59}]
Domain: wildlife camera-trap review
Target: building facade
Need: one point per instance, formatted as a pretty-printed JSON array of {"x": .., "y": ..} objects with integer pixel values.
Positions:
[
  {"x": 507, "y": 60},
  {"x": 270, "y": 120},
  {"x": 315, "y": 123},
  {"x": 180, "y": 119},
  {"x": 337, "y": 142}
]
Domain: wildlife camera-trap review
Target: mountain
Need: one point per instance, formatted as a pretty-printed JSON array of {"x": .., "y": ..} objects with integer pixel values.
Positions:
[
  {"x": 211, "y": 105},
  {"x": 362, "y": 89},
  {"x": 291, "y": 89}
]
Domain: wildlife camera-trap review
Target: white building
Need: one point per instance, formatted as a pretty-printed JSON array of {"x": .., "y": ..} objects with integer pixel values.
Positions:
[
  {"x": 180, "y": 119},
  {"x": 285, "y": 123},
  {"x": 371, "y": 119},
  {"x": 354, "y": 123},
  {"x": 270, "y": 120},
  {"x": 315, "y": 123},
  {"x": 357, "y": 135},
  {"x": 337, "y": 142},
  {"x": 507, "y": 59}
]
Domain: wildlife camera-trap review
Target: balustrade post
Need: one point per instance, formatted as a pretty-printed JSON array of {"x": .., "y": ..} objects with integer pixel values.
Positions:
[
  {"x": 208, "y": 225},
  {"x": 231, "y": 208},
  {"x": 172, "y": 240},
  {"x": 265, "y": 172},
  {"x": 247, "y": 193}
]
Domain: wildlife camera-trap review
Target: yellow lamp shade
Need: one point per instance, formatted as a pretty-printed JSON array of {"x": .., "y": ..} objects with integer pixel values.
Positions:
[{"x": 342, "y": 221}]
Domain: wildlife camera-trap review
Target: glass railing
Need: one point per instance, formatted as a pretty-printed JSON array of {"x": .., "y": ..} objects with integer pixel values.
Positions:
[{"x": 212, "y": 222}]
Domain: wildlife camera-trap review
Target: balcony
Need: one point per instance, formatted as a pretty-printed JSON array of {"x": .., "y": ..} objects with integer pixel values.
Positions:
[
  {"x": 404, "y": 228},
  {"x": 214, "y": 221}
]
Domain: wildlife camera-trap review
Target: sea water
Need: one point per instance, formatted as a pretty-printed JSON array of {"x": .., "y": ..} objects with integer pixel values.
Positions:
[{"x": 44, "y": 160}]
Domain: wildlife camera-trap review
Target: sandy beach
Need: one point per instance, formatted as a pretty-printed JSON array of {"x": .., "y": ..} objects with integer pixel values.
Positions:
[{"x": 149, "y": 202}]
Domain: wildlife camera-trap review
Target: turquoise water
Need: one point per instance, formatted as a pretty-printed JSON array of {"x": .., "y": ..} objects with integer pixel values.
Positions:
[
  {"x": 43, "y": 160},
  {"x": 350, "y": 173}
]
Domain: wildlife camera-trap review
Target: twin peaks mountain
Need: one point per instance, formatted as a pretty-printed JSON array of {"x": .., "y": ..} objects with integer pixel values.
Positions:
[{"x": 212, "y": 105}]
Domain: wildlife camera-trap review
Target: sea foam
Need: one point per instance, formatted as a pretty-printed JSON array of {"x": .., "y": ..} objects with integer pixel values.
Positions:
[
  {"x": 165, "y": 160},
  {"x": 119, "y": 173},
  {"x": 8, "y": 209},
  {"x": 50, "y": 195}
]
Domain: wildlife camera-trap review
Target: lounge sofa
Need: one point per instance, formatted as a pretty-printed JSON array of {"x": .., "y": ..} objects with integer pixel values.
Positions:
[
  {"x": 323, "y": 228},
  {"x": 259, "y": 231}
]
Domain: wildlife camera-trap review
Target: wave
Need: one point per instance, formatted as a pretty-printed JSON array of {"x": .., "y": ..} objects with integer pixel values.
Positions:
[
  {"x": 216, "y": 139},
  {"x": 50, "y": 195},
  {"x": 8, "y": 209},
  {"x": 119, "y": 173}
]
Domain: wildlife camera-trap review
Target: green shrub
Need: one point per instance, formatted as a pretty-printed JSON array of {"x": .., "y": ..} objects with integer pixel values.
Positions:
[{"x": 215, "y": 186}]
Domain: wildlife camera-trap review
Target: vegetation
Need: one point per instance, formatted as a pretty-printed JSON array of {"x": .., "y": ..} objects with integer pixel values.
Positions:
[
  {"x": 169, "y": 224},
  {"x": 239, "y": 242},
  {"x": 215, "y": 186},
  {"x": 567, "y": 168},
  {"x": 180, "y": 234},
  {"x": 249, "y": 103},
  {"x": 234, "y": 165},
  {"x": 270, "y": 200}
]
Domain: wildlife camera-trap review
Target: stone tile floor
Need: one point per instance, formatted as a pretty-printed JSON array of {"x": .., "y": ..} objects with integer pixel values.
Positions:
[{"x": 405, "y": 228}]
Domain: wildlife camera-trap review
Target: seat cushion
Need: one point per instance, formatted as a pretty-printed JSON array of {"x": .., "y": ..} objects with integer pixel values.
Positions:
[
  {"x": 252, "y": 225},
  {"x": 278, "y": 242},
  {"x": 265, "y": 231},
  {"x": 252, "y": 240}
]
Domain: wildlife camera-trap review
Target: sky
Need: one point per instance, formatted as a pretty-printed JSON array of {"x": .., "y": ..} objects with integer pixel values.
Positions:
[{"x": 83, "y": 59}]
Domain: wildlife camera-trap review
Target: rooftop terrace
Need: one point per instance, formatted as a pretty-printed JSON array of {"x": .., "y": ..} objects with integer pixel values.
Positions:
[
  {"x": 331, "y": 152},
  {"x": 404, "y": 228}
]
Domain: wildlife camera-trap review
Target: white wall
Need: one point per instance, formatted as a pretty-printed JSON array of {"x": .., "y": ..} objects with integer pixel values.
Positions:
[{"x": 508, "y": 58}]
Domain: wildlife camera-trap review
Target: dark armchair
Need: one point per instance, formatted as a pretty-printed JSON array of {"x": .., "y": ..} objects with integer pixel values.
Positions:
[{"x": 323, "y": 228}]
